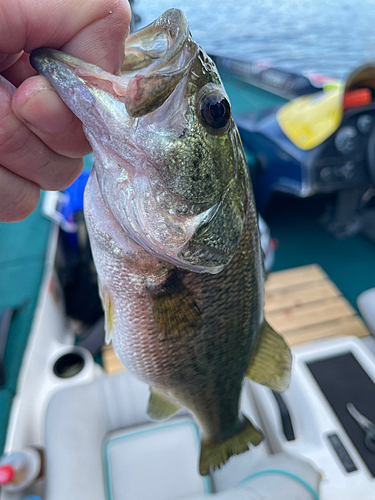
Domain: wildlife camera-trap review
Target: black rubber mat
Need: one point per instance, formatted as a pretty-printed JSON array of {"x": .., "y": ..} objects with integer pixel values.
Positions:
[{"x": 343, "y": 380}]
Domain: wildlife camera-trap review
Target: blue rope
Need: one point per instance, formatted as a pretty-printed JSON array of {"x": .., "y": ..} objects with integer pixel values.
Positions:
[{"x": 286, "y": 473}]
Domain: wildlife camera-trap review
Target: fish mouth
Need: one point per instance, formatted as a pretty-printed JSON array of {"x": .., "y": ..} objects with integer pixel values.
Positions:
[
  {"x": 87, "y": 90},
  {"x": 111, "y": 108},
  {"x": 156, "y": 59}
]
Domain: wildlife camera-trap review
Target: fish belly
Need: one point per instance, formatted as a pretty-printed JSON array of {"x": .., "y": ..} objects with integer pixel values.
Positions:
[{"x": 201, "y": 367}]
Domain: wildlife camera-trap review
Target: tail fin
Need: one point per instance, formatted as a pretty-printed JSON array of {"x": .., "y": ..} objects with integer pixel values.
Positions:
[{"x": 214, "y": 455}]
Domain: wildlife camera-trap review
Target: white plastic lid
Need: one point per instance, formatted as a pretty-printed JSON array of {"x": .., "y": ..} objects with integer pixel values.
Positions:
[{"x": 157, "y": 462}]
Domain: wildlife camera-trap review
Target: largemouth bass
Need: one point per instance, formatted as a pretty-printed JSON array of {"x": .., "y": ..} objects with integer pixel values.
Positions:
[{"x": 173, "y": 229}]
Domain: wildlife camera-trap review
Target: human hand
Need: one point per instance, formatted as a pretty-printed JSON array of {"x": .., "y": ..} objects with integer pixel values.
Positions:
[{"x": 41, "y": 141}]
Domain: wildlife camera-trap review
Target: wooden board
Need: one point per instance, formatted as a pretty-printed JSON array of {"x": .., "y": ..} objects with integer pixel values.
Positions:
[
  {"x": 302, "y": 304},
  {"x": 111, "y": 363}
]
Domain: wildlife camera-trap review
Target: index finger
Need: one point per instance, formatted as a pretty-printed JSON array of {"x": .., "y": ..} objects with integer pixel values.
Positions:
[{"x": 78, "y": 27}]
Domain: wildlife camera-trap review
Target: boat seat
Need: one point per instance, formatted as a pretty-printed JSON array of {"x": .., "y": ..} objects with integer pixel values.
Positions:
[
  {"x": 94, "y": 451},
  {"x": 79, "y": 421}
]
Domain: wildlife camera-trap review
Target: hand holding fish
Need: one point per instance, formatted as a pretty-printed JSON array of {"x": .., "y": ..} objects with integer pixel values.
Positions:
[{"x": 41, "y": 140}]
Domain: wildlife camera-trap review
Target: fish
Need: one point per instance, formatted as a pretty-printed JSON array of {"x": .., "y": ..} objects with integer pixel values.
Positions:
[{"x": 174, "y": 233}]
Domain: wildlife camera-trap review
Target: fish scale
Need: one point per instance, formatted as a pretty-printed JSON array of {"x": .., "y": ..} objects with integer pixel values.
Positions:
[
  {"x": 226, "y": 318},
  {"x": 173, "y": 229}
]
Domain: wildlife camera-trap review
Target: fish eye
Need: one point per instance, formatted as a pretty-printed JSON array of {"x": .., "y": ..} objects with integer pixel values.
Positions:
[{"x": 215, "y": 111}]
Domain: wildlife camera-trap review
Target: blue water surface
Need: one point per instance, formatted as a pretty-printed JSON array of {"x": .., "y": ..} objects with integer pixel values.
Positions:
[{"x": 331, "y": 37}]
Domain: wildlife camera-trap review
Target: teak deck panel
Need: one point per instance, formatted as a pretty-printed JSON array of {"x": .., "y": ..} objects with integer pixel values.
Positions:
[
  {"x": 302, "y": 304},
  {"x": 111, "y": 363}
]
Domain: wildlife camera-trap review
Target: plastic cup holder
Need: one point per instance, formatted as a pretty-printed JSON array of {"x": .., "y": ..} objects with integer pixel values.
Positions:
[{"x": 69, "y": 365}]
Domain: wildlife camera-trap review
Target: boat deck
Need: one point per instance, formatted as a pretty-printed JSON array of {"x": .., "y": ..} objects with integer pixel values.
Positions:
[{"x": 302, "y": 304}]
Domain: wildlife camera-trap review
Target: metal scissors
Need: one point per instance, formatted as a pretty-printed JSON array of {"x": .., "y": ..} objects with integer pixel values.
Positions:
[{"x": 365, "y": 424}]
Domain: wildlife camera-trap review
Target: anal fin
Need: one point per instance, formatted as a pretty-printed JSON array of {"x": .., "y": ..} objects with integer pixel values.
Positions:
[
  {"x": 271, "y": 361},
  {"x": 160, "y": 406},
  {"x": 214, "y": 455}
]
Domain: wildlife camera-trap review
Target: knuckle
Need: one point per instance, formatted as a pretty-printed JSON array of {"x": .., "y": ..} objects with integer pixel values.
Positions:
[
  {"x": 21, "y": 201},
  {"x": 56, "y": 175},
  {"x": 26, "y": 200},
  {"x": 25, "y": 207},
  {"x": 13, "y": 141}
]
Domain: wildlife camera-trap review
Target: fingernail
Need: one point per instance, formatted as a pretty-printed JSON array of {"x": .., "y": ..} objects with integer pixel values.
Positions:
[{"x": 44, "y": 111}]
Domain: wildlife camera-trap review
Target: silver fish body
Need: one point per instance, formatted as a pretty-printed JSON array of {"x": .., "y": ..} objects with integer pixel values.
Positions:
[
  {"x": 202, "y": 364},
  {"x": 173, "y": 229}
]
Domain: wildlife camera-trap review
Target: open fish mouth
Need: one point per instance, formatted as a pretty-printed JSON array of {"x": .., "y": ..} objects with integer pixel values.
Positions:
[
  {"x": 124, "y": 116},
  {"x": 156, "y": 59}
]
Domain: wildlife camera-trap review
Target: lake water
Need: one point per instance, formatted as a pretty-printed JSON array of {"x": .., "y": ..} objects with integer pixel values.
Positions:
[{"x": 331, "y": 37}]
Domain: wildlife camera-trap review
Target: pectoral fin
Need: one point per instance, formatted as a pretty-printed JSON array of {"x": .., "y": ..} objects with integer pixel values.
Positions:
[
  {"x": 271, "y": 361},
  {"x": 174, "y": 308},
  {"x": 160, "y": 406}
]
